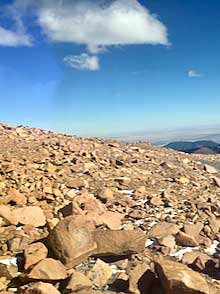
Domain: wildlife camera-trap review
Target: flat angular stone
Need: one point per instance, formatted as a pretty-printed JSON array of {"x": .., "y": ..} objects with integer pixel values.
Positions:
[
  {"x": 100, "y": 273},
  {"x": 178, "y": 278},
  {"x": 167, "y": 241},
  {"x": 193, "y": 229},
  {"x": 183, "y": 239},
  {"x": 210, "y": 169},
  {"x": 34, "y": 253},
  {"x": 48, "y": 269},
  {"x": 119, "y": 242},
  {"x": 111, "y": 219},
  {"x": 30, "y": 215},
  {"x": 78, "y": 281},
  {"x": 163, "y": 229}
]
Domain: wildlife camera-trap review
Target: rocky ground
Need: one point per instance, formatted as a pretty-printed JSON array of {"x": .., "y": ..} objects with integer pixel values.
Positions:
[{"x": 90, "y": 216}]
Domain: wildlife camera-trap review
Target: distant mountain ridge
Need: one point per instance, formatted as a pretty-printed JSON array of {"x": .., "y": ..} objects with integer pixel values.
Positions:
[{"x": 197, "y": 147}]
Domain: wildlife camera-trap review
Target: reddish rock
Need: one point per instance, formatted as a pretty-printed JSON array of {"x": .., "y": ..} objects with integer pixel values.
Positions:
[
  {"x": 75, "y": 182},
  {"x": 214, "y": 224},
  {"x": 111, "y": 219},
  {"x": 106, "y": 195},
  {"x": 167, "y": 241},
  {"x": 34, "y": 253},
  {"x": 178, "y": 278},
  {"x": 89, "y": 203},
  {"x": 163, "y": 229},
  {"x": 78, "y": 281},
  {"x": 100, "y": 274},
  {"x": 30, "y": 215},
  {"x": 119, "y": 242},
  {"x": 71, "y": 209},
  {"x": 193, "y": 229},
  {"x": 156, "y": 201},
  {"x": 7, "y": 215},
  {"x": 72, "y": 241},
  {"x": 48, "y": 270},
  {"x": 183, "y": 239},
  {"x": 15, "y": 197}
]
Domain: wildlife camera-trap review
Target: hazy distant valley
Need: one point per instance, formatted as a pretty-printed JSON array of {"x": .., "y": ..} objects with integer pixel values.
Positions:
[{"x": 164, "y": 137}]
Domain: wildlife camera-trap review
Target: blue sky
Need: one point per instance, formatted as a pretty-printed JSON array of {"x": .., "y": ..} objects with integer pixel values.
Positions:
[{"x": 106, "y": 67}]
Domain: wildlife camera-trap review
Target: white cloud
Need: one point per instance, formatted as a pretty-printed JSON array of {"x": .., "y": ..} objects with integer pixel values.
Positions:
[
  {"x": 10, "y": 38},
  {"x": 118, "y": 22},
  {"x": 96, "y": 24},
  {"x": 194, "y": 74},
  {"x": 82, "y": 62}
]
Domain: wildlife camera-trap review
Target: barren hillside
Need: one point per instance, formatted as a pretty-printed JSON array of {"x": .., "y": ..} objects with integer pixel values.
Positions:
[{"x": 91, "y": 216}]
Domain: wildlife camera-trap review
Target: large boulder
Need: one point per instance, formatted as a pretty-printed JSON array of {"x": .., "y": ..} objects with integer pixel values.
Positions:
[{"x": 72, "y": 241}]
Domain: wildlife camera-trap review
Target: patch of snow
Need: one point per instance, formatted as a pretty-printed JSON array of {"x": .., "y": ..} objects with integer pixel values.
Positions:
[
  {"x": 139, "y": 222},
  {"x": 148, "y": 243},
  {"x": 152, "y": 224},
  {"x": 9, "y": 261},
  {"x": 179, "y": 254},
  {"x": 19, "y": 228},
  {"x": 212, "y": 250},
  {"x": 141, "y": 201},
  {"x": 116, "y": 270},
  {"x": 128, "y": 192}
]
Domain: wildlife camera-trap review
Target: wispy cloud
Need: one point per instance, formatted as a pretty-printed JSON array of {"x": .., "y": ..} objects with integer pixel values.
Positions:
[
  {"x": 17, "y": 35},
  {"x": 82, "y": 62},
  {"x": 194, "y": 74}
]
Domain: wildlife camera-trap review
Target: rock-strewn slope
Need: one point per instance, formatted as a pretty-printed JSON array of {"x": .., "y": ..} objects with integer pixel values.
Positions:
[{"x": 90, "y": 216}]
